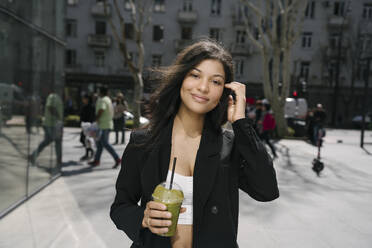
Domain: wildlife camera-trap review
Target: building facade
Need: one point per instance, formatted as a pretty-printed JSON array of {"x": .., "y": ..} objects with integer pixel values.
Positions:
[
  {"x": 93, "y": 57},
  {"x": 32, "y": 49}
]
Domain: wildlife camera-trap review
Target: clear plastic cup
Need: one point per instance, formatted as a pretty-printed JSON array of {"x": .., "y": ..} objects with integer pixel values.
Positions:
[{"x": 173, "y": 200}]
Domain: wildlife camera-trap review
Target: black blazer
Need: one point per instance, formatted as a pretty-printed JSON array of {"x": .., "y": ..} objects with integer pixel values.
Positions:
[{"x": 224, "y": 164}]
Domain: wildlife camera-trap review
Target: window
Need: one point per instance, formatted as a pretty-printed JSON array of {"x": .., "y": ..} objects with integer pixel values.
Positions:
[
  {"x": 239, "y": 67},
  {"x": 127, "y": 5},
  {"x": 215, "y": 33},
  {"x": 99, "y": 58},
  {"x": 129, "y": 31},
  {"x": 306, "y": 39},
  {"x": 156, "y": 60},
  {"x": 242, "y": 12},
  {"x": 159, "y": 6},
  {"x": 72, "y": 2},
  {"x": 256, "y": 33},
  {"x": 70, "y": 57},
  {"x": 216, "y": 7},
  {"x": 157, "y": 33},
  {"x": 304, "y": 70},
  {"x": 187, "y": 5},
  {"x": 334, "y": 40},
  {"x": 71, "y": 28},
  {"x": 186, "y": 33},
  {"x": 339, "y": 8},
  {"x": 240, "y": 37},
  {"x": 366, "y": 43},
  {"x": 310, "y": 10},
  {"x": 367, "y": 11},
  {"x": 100, "y": 27},
  {"x": 332, "y": 65}
]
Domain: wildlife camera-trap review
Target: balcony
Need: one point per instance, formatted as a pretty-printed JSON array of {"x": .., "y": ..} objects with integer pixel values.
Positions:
[
  {"x": 187, "y": 16},
  {"x": 241, "y": 49},
  {"x": 179, "y": 44},
  {"x": 98, "y": 9},
  {"x": 365, "y": 27},
  {"x": 237, "y": 20},
  {"x": 99, "y": 40},
  {"x": 338, "y": 22}
]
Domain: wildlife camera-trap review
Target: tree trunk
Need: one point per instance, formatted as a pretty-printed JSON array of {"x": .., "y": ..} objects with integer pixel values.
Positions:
[
  {"x": 138, "y": 93},
  {"x": 281, "y": 123}
]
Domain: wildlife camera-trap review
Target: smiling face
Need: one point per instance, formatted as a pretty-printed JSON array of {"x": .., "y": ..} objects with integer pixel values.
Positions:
[{"x": 202, "y": 87}]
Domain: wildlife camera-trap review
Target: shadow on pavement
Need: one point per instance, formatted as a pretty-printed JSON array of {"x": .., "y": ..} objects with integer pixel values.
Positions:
[
  {"x": 368, "y": 152},
  {"x": 70, "y": 163},
  {"x": 67, "y": 173}
]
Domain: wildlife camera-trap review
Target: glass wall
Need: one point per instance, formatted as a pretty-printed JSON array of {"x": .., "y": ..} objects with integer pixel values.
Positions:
[{"x": 31, "y": 86}]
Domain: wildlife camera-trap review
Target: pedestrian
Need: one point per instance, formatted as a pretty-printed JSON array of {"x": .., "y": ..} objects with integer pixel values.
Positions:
[
  {"x": 310, "y": 125},
  {"x": 119, "y": 117},
  {"x": 87, "y": 115},
  {"x": 268, "y": 126},
  {"x": 187, "y": 111},
  {"x": 258, "y": 116},
  {"x": 104, "y": 114},
  {"x": 319, "y": 121},
  {"x": 250, "y": 109},
  {"x": 53, "y": 127}
]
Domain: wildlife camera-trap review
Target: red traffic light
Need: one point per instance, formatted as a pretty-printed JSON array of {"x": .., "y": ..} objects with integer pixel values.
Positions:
[{"x": 295, "y": 94}]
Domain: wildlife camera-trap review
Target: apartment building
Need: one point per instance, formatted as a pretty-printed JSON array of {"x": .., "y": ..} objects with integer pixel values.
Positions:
[{"x": 93, "y": 58}]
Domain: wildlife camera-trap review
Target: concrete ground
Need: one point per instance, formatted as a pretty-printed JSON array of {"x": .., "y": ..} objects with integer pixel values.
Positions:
[{"x": 332, "y": 210}]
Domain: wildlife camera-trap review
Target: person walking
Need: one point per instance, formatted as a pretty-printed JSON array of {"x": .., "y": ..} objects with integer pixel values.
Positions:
[
  {"x": 319, "y": 121},
  {"x": 187, "y": 112},
  {"x": 268, "y": 126},
  {"x": 53, "y": 127},
  {"x": 87, "y": 115},
  {"x": 119, "y": 118},
  {"x": 104, "y": 114}
]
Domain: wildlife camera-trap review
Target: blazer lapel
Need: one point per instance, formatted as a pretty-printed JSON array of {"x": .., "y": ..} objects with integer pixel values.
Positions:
[{"x": 206, "y": 167}]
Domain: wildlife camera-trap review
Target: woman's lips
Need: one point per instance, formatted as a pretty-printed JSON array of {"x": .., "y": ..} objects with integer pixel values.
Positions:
[{"x": 200, "y": 99}]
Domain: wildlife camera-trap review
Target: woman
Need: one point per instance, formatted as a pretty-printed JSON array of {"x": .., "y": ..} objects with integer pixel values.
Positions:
[
  {"x": 187, "y": 113},
  {"x": 119, "y": 118}
]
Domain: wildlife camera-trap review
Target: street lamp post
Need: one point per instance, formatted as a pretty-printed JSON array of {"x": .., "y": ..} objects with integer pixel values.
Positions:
[{"x": 366, "y": 82}]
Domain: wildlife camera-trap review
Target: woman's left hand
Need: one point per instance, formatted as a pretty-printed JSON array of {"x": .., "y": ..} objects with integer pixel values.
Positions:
[{"x": 236, "y": 109}]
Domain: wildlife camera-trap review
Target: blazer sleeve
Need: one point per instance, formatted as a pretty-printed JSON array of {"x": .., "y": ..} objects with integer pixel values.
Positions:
[
  {"x": 125, "y": 211},
  {"x": 257, "y": 176}
]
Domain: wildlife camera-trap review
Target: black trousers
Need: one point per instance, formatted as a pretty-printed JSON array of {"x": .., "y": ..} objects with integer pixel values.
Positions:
[{"x": 265, "y": 136}]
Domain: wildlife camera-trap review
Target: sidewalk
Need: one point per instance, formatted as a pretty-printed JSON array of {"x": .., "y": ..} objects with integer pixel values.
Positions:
[{"x": 328, "y": 211}]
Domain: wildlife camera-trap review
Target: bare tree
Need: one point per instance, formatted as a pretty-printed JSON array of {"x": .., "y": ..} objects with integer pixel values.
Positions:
[
  {"x": 139, "y": 17},
  {"x": 278, "y": 23}
]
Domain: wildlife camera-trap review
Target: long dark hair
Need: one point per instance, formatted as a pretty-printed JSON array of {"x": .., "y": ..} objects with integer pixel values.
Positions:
[{"x": 165, "y": 101}]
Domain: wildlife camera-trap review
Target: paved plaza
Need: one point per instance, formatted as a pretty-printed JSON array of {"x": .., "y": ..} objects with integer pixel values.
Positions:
[{"x": 333, "y": 210}]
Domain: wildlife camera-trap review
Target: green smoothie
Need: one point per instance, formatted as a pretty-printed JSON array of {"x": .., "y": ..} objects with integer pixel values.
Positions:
[{"x": 173, "y": 200}]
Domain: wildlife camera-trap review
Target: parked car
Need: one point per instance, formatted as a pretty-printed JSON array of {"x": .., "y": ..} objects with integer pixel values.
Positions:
[
  {"x": 295, "y": 111},
  {"x": 129, "y": 120},
  {"x": 357, "y": 120}
]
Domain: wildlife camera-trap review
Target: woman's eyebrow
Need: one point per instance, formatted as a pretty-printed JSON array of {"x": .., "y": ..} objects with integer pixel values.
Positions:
[{"x": 214, "y": 75}]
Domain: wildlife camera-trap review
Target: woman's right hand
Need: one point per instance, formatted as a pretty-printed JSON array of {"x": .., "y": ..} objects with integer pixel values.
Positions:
[{"x": 156, "y": 218}]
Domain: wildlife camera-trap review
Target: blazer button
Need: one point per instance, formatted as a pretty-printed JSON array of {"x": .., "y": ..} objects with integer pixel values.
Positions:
[{"x": 214, "y": 210}]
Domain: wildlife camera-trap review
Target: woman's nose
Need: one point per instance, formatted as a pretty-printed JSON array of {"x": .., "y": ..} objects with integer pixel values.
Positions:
[{"x": 204, "y": 85}]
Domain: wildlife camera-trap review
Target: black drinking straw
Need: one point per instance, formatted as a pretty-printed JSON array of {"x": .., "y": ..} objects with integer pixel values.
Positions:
[{"x": 174, "y": 167}]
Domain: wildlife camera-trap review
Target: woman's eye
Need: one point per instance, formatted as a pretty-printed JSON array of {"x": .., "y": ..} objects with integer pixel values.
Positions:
[
  {"x": 194, "y": 75},
  {"x": 217, "y": 82}
]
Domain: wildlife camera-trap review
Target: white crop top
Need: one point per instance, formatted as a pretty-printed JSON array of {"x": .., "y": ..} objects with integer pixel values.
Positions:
[{"x": 186, "y": 184}]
